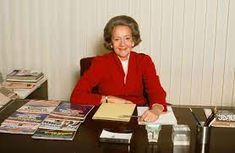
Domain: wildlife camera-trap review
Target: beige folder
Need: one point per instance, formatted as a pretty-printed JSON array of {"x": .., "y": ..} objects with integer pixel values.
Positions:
[{"x": 115, "y": 112}]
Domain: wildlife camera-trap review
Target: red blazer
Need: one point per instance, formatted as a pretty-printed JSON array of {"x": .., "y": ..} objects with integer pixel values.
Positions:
[{"x": 107, "y": 73}]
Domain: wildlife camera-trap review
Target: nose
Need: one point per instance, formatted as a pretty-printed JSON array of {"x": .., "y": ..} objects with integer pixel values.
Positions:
[{"x": 122, "y": 42}]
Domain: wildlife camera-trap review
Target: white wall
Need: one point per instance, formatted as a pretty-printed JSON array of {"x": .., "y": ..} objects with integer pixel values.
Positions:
[{"x": 192, "y": 42}]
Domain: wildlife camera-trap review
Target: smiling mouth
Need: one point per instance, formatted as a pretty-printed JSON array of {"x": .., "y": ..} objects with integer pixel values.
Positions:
[{"x": 122, "y": 49}]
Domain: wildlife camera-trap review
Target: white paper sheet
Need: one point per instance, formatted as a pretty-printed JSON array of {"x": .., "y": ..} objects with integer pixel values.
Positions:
[{"x": 167, "y": 118}]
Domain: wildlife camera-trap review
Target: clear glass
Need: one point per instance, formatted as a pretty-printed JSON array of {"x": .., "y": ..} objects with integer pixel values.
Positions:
[{"x": 153, "y": 131}]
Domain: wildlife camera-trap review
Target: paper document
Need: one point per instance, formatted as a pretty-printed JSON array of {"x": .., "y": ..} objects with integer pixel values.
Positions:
[
  {"x": 114, "y": 137},
  {"x": 166, "y": 118},
  {"x": 207, "y": 112},
  {"x": 115, "y": 112}
]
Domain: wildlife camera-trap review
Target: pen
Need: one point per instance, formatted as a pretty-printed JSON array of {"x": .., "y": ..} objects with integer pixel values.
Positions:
[
  {"x": 195, "y": 117},
  {"x": 136, "y": 116}
]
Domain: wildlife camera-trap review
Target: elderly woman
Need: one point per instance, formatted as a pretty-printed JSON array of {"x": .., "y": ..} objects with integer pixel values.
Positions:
[{"x": 122, "y": 75}]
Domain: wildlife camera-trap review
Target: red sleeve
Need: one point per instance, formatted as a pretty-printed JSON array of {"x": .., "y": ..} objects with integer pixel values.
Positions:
[
  {"x": 82, "y": 93},
  {"x": 154, "y": 90}
]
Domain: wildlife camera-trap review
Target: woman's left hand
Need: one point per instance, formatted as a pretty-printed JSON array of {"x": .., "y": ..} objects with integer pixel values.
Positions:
[
  {"x": 149, "y": 116},
  {"x": 152, "y": 115}
]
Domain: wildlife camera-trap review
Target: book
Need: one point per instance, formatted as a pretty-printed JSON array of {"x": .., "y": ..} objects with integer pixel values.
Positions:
[
  {"x": 24, "y": 76},
  {"x": 115, "y": 112},
  {"x": 224, "y": 118},
  {"x": 166, "y": 118}
]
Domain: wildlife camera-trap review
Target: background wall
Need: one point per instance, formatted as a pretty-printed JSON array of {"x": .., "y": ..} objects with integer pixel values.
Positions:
[{"x": 192, "y": 42}]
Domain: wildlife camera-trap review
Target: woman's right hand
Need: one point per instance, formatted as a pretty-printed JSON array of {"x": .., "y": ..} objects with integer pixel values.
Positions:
[{"x": 113, "y": 99}]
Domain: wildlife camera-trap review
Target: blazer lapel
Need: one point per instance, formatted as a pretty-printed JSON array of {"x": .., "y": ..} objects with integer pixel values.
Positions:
[
  {"x": 131, "y": 67},
  {"x": 118, "y": 64}
]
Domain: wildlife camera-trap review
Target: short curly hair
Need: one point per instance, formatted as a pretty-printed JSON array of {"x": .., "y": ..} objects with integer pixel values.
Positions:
[{"x": 121, "y": 20}]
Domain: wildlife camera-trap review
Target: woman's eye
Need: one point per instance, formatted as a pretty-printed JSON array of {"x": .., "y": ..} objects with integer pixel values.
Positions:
[
  {"x": 116, "y": 39},
  {"x": 128, "y": 38}
]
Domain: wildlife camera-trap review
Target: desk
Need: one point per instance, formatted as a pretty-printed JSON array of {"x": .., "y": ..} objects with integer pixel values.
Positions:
[{"x": 87, "y": 137}]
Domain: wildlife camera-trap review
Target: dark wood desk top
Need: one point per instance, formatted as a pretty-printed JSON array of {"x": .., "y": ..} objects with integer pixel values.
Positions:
[{"x": 222, "y": 140}]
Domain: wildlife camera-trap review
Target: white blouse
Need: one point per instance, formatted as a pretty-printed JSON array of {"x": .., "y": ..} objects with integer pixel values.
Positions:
[{"x": 125, "y": 68}]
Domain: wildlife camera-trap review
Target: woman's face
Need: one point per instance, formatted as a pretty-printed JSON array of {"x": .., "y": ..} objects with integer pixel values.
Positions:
[{"x": 122, "y": 41}]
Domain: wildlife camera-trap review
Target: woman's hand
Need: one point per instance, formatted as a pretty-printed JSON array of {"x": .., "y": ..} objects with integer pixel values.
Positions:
[
  {"x": 153, "y": 114},
  {"x": 113, "y": 99}
]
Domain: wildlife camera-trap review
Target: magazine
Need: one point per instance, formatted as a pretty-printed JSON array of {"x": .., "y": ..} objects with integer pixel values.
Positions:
[
  {"x": 54, "y": 134},
  {"x": 19, "y": 85},
  {"x": 56, "y": 123},
  {"x": 44, "y": 103},
  {"x": 47, "y": 119},
  {"x": 24, "y": 76},
  {"x": 35, "y": 109},
  {"x": 19, "y": 127},
  {"x": 63, "y": 122},
  {"x": 28, "y": 117},
  {"x": 39, "y": 106},
  {"x": 68, "y": 110}
]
